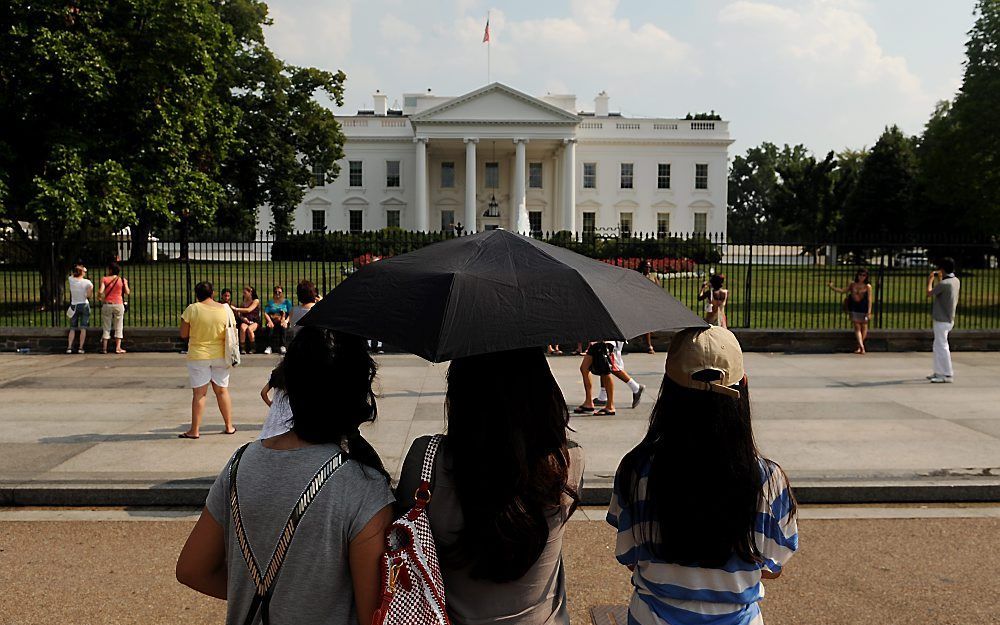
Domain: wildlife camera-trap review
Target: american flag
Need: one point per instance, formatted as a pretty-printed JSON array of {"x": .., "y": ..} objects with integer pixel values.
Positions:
[{"x": 486, "y": 34}]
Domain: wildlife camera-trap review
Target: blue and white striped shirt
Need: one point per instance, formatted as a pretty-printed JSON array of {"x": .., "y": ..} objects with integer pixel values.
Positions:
[{"x": 677, "y": 594}]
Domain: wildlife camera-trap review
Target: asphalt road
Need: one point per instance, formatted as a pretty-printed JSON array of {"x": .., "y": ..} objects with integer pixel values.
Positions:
[{"x": 884, "y": 571}]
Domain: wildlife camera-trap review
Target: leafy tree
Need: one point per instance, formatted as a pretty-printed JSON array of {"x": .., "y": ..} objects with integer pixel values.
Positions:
[
  {"x": 883, "y": 200},
  {"x": 149, "y": 113},
  {"x": 960, "y": 150},
  {"x": 804, "y": 202}
]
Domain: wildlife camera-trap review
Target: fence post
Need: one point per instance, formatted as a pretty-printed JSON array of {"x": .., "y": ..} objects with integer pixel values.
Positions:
[
  {"x": 53, "y": 305},
  {"x": 748, "y": 284},
  {"x": 877, "y": 304}
]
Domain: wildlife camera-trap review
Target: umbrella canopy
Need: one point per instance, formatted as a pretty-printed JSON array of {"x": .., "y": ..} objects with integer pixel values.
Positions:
[{"x": 495, "y": 291}]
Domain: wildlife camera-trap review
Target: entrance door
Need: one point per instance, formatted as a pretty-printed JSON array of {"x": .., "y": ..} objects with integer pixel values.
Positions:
[{"x": 447, "y": 221}]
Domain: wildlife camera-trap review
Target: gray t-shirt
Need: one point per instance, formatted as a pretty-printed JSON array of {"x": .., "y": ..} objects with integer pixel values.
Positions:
[
  {"x": 538, "y": 598},
  {"x": 314, "y": 585},
  {"x": 945, "y": 299}
]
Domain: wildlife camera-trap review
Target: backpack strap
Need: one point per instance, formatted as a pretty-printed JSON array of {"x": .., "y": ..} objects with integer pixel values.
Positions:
[
  {"x": 423, "y": 494},
  {"x": 264, "y": 583}
]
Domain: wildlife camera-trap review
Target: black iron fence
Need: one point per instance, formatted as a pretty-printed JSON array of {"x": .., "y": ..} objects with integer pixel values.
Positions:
[{"x": 772, "y": 284}]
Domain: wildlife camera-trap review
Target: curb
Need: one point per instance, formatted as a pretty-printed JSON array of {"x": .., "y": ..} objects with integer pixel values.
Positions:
[{"x": 597, "y": 492}]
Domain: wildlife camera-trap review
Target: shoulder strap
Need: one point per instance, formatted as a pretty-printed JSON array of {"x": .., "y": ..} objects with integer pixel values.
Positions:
[
  {"x": 423, "y": 494},
  {"x": 264, "y": 584}
]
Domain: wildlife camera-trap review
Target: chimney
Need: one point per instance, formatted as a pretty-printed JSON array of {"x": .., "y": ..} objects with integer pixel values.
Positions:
[
  {"x": 381, "y": 102},
  {"x": 601, "y": 104}
]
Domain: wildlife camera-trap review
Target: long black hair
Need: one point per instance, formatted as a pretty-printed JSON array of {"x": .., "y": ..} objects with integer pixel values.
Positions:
[
  {"x": 510, "y": 460},
  {"x": 705, "y": 480},
  {"x": 323, "y": 365}
]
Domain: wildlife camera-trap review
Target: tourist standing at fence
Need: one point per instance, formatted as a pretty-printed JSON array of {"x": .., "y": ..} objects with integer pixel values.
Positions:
[
  {"x": 276, "y": 315},
  {"x": 248, "y": 316},
  {"x": 203, "y": 324},
  {"x": 505, "y": 482},
  {"x": 80, "y": 291},
  {"x": 701, "y": 516},
  {"x": 715, "y": 296},
  {"x": 308, "y": 296},
  {"x": 114, "y": 288},
  {"x": 859, "y": 306},
  {"x": 339, "y": 506},
  {"x": 944, "y": 296},
  {"x": 646, "y": 269}
]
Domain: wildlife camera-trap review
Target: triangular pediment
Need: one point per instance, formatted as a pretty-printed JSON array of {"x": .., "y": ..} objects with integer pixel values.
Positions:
[
  {"x": 317, "y": 201},
  {"x": 495, "y": 103}
]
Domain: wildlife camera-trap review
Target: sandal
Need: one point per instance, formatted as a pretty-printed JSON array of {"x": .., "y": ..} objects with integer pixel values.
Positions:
[
  {"x": 583, "y": 410},
  {"x": 604, "y": 412},
  {"x": 186, "y": 435},
  {"x": 225, "y": 432}
]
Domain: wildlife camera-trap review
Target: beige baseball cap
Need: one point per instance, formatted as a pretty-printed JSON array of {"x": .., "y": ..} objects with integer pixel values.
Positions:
[{"x": 708, "y": 359}]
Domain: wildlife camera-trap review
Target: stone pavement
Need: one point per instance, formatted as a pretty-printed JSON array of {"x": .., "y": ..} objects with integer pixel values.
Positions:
[{"x": 101, "y": 430}]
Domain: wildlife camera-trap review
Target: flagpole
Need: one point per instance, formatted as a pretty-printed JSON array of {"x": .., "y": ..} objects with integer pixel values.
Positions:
[{"x": 489, "y": 46}]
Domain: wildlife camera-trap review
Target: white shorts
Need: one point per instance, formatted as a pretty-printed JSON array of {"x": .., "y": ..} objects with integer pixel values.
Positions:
[{"x": 202, "y": 372}]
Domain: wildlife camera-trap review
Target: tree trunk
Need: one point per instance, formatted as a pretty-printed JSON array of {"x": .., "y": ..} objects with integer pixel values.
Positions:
[
  {"x": 52, "y": 268},
  {"x": 140, "y": 242}
]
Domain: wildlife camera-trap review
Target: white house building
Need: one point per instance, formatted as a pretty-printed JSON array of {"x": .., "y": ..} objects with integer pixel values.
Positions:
[{"x": 496, "y": 157}]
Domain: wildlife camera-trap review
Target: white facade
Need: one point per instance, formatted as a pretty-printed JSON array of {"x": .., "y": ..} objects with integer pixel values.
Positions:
[{"x": 548, "y": 167}]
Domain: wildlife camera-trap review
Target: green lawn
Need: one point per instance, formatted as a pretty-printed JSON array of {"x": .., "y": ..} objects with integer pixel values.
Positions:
[{"x": 780, "y": 296}]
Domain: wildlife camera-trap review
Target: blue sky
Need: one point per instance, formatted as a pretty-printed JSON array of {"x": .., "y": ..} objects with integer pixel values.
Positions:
[{"x": 827, "y": 73}]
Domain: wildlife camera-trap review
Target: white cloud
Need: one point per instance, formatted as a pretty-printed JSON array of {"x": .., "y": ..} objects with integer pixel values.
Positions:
[
  {"x": 396, "y": 31},
  {"x": 315, "y": 32},
  {"x": 821, "y": 64}
]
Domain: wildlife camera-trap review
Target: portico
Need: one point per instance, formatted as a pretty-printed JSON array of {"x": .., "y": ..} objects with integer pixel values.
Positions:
[{"x": 500, "y": 131}]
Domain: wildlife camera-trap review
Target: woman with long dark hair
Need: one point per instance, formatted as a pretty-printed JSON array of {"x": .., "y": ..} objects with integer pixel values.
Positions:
[
  {"x": 858, "y": 304},
  {"x": 701, "y": 516},
  {"x": 338, "y": 536},
  {"x": 506, "y": 479}
]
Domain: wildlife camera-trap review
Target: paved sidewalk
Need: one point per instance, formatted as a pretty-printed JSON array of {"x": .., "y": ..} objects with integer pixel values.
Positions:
[{"x": 91, "y": 429}]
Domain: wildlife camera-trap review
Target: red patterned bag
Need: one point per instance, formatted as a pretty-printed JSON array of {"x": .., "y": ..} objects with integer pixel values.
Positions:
[{"x": 412, "y": 587}]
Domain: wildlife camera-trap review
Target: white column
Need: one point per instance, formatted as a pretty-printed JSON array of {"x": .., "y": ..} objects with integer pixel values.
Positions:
[
  {"x": 519, "y": 201},
  {"x": 422, "y": 215},
  {"x": 470, "y": 186},
  {"x": 555, "y": 206},
  {"x": 569, "y": 185}
]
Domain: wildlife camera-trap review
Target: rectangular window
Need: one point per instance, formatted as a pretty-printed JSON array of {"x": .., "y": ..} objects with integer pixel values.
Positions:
[
  {"x": 319, "y": 176},
  {"x": 534, "y": 175},
  {"x": 590, "y": 175},
  {"x": 701, "y": 223},
  {"x": 662, "y": 225},
  {"x": 354, "y": 177},
  {"x": 392, "y": 174},
  {"x": 625, "y": 224},
  {"x": 447, "y": 221},
  {"x": 448, "y": 175},
  {"x": 627, "y": 173},
  {"x": 319, "y": 221},
  {"x": 663, "y": 176},
  {"x": 391, "y": 219},
  {"x": 589, "y": 223},
  {"x": 535, "y": 222},
  {"x": 355, "y": 222},
  {"x": 492, "y": 178},
  {"x": 701, "y": 176}
]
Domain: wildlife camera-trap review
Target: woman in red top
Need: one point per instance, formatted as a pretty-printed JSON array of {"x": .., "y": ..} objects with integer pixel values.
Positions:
[{"x": 112, "y": 292}]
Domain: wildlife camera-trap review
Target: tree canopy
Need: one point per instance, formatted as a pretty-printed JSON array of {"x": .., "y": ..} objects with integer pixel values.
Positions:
[{"x": 148, "y": 113}]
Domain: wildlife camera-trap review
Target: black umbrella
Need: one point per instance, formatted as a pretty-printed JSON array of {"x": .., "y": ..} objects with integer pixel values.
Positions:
[{"x": 495, "y": 291}]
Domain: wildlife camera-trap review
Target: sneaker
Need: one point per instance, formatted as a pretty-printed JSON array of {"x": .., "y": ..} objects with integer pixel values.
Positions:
[
  {"x": 69, "y": 351},
  {"x": 638, "y": 395},
  {"x": 600, "y": 402},
  {"x": 267, "y": 350},
  {"x": 932, "y": 376},
  {"x": 81, "y": 352},
  {"x": 942, "y": 379},
  {"x": 282, "y": 350}
]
